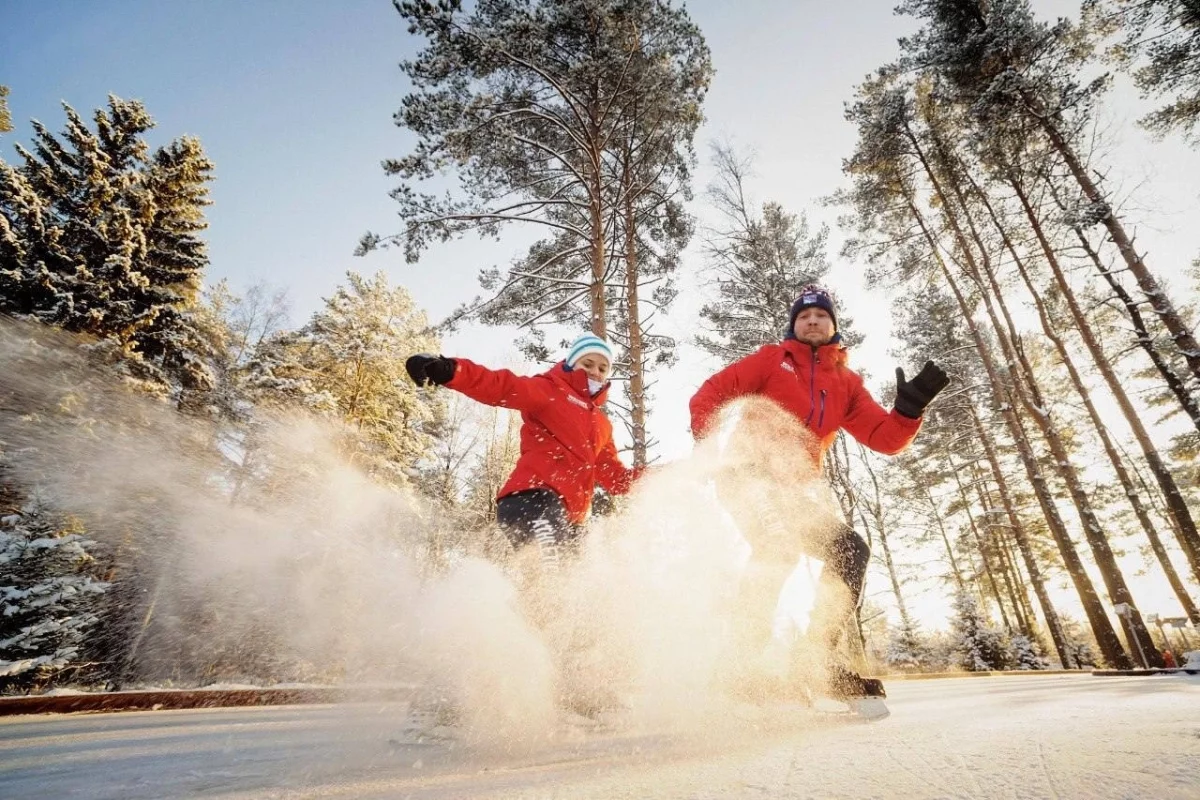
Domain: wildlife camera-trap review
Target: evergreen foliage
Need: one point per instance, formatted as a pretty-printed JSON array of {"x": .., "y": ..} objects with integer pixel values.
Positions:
[
  {"x": 47, "y": 594},
  {"x": 978, "y": 646},
  {"x": 760, "y": 257},
  {"x": 100, "y": 236},
  {"x": 347, "y": 364},
  {"x": 1160, "y": 43}
]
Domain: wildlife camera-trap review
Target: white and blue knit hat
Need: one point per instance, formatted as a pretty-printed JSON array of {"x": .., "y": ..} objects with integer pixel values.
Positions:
[{"x": 588, "y": 343}]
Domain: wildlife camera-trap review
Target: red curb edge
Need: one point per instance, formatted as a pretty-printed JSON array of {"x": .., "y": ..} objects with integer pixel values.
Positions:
[{"x": 163, "y": 699}]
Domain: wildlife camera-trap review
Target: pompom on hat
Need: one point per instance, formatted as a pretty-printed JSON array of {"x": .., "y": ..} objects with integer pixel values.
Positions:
[{"x": 588, "y": 343}]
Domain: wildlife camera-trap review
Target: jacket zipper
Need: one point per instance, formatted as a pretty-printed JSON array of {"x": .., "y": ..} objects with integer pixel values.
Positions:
[
  {"x": 812, "y": 388},
  {"x": 821, "y": 418}
]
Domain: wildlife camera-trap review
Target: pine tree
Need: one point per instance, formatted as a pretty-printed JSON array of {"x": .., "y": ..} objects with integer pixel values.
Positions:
[
  {"x": 905, "y": 649},
  {"x": 760, "y": 258},
  {"x": 347, "y": 364},
  {"x": 1160, "y": 44},
  {"x": 1025, "y": 654},
  {"x": 99, "y": 236},
  {"x": 46, "y": 594},
  {"x": 978, "y": 647},
  {"x": 524, "y": 101},
  {"x": 576, "y": 118}
]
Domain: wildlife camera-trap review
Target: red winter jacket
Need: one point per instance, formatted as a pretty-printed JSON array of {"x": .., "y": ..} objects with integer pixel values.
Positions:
[
  {"x": 566, "y": 438},
  {"x": 816, "y": 387}
]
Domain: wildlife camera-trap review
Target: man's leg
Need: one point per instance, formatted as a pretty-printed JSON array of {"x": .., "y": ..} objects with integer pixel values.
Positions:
[
  {"x": 774, "y": 554},
  {"x": 839, "y": 591}
]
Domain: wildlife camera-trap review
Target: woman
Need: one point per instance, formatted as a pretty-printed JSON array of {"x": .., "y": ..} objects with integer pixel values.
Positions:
[{"x": 566, "y": 439}]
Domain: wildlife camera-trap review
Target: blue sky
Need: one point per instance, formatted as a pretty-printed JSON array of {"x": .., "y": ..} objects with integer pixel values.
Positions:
[{"x": 293, "y": 101}]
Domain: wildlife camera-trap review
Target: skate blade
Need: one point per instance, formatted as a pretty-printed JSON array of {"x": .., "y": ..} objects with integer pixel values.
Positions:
[
  {"x": 869, "y": 708},
  {"x": 864, "y": 708}
]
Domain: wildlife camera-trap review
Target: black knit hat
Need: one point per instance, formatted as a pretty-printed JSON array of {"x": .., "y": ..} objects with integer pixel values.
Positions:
[{"x": 811, "y": 296}]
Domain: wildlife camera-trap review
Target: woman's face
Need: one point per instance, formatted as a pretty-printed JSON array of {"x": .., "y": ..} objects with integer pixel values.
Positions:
[
  {"x": 813, "y": 326},
  {"x": 595, "y": 365}
]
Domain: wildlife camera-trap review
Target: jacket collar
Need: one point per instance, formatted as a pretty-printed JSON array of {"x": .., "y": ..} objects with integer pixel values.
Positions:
[
  {"x": 832, "y": 353},
  {"x": 576, "y": 380}
]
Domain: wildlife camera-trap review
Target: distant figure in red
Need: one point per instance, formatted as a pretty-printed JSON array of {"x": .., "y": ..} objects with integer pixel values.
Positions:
[
  {"x": 1169, "y": 659},
  {"x": 806, "y": 375}
]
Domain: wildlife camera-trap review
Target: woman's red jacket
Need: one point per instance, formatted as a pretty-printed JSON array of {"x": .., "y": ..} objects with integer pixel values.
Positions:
[{"x": 566, "y": 438}]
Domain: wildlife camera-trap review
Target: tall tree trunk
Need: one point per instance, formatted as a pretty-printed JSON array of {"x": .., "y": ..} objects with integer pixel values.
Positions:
[
  {"x": 1131, "y": 490},
  {"x": 1019, "y": 582},
  {"x": 1106, "y": 636},
  {"x": 981, "y": 546},
  {"x": 1030, "y": 395},
  {"x": 1011, "y": 581},
  {"x": 596, "y": 216},
  {"x": 1174, "y": 382},
  {"x": 637, "y": 367},
  {"x": 1162, "y": 305},
  {"x": 995, "y": 532},
  {"x": 958, "y": 581},
  {"x": 893, "y": 577}
]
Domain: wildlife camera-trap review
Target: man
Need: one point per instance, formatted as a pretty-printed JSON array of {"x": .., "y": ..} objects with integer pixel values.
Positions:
[{"x": 806, "y": 376}]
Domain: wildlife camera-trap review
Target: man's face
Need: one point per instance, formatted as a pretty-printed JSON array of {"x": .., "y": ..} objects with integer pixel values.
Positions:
[
  {"x": 814, "y": 326},
  {"x": 596, "y": 366}
]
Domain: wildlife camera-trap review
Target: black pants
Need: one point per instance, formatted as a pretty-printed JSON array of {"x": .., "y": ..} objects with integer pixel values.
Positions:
[
  {"x": 846, "y": 556},
  {"x": 776, "y": 547},
  {"x": 538, "y": 517}
]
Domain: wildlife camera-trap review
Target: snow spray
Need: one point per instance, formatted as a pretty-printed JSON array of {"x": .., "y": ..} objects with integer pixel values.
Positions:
[
  {"x": 271, "y": 534},
  {"x": 273, "y": 559}
]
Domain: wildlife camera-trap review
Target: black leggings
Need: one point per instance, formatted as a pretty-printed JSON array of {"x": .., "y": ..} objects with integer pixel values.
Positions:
[{"x": 539, "y": 517}]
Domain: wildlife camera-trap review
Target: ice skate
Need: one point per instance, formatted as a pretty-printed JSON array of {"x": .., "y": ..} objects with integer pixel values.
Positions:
[
  {"x": 430, "y": 719},
  {"x": 844, "y": 689}
]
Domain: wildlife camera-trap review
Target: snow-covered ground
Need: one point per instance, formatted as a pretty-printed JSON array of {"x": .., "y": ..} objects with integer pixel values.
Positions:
[{"x": 1063, "y": 736}]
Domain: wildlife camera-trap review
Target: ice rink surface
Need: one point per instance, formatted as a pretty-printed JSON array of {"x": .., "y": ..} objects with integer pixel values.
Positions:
[{"x": 1058, "y": 736}]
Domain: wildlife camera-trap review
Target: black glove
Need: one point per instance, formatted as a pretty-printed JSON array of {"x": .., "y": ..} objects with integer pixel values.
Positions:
[
  {"x": 425, "y": 369},
  {"x": 912, "y": 396}
]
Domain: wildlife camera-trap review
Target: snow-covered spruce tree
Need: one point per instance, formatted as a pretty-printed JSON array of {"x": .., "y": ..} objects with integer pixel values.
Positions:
[
  {"x": 1025, "y": 653},
  {"x": 347, "y": 364},
  {"x": 757, "y": 259},
  {"x": 47, "y": 595},
  {"x": 978, "y": 646},
  {"x": 99, "y": 236},
  {"x": 906, "y": 650}
]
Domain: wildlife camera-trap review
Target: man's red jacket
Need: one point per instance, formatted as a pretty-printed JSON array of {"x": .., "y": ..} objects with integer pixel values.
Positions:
[
  {"x": 566, "y": 438},
  {"x": 816, "y": 387}
]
